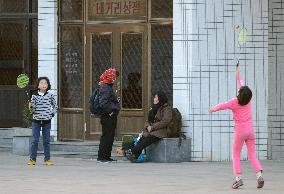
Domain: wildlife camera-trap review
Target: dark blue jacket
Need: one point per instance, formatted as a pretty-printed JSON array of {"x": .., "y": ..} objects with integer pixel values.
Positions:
[{"x": 108, "y": 100}]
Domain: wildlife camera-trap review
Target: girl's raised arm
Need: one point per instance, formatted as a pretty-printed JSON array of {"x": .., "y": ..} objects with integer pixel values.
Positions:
[{"x": 240, "y": 83}]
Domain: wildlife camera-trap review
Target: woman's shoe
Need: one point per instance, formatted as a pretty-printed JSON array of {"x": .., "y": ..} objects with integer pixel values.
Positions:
[
  {"x": 131, "y": 157},
  {"x": 260, "y": 182},
  {"x": 237, "y": 184},
  {"x": 49, "y": 162},
  {"x": 31, "y": 162}
]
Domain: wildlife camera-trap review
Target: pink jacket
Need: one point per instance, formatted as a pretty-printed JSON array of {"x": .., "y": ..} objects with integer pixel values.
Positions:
[{"x": 241, "y": 114}]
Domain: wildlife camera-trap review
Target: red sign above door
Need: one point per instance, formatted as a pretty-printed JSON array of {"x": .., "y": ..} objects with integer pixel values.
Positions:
[{"x": 99, "y": 9}]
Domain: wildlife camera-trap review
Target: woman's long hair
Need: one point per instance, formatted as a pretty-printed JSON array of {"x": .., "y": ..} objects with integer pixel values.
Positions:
[{"x": 244, "y": 95}]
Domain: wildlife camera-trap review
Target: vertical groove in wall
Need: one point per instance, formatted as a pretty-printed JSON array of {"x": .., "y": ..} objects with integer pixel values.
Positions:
[
  {"x": 275, "y": 80},
  {"x": 204, "y": 70}
]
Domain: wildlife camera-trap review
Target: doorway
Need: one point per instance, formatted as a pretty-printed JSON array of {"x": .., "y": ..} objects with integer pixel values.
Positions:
[{"x": 125, "y": 48}]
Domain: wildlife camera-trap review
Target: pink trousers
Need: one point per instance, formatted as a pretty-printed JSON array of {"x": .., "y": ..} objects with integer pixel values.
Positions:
[{"x": 244, "y": 134}]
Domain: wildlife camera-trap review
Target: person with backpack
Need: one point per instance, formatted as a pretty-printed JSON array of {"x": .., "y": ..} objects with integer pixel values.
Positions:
[
  {"x": 107, "y": 106},
  {"x": 156, "y": 127}
]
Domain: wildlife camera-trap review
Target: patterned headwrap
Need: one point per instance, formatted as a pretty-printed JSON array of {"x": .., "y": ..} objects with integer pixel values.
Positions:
[{"x": 108, "y": 77}]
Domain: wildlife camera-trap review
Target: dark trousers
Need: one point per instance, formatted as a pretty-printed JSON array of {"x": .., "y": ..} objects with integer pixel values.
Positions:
[
  {"x": 108, "y": 132},
  {"x": 143, "y": 143}
]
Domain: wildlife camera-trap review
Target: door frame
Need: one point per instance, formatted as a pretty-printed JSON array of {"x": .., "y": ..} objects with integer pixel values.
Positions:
[
  {"x": 89, "y": 30},
  {"x": 116, "y": 30},
  {"x": 19, "y": 94}
]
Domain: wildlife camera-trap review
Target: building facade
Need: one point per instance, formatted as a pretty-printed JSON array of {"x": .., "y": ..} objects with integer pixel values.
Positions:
[
  {"x": 208, "y": 41},
  {"x": 188, "y": 48}
]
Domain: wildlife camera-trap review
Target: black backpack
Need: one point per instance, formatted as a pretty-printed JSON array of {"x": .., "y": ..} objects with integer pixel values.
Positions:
[
  {"x": 94, "y": 105},
  {"x": 176, "y": 124}
]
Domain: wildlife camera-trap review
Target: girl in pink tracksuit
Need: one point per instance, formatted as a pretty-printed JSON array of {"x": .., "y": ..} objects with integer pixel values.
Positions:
[{"x": 243, "y": 132}]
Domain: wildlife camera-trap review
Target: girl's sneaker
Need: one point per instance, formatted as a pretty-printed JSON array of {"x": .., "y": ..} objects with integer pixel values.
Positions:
[
  {"x": 260, "y": 182},
  {"x": 237, "y": 184},
  {"x": 49, "y": 162},
  {"x": 31, "y": 162}
]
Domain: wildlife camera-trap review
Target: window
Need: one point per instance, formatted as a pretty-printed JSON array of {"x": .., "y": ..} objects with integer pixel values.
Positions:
[
  {"x": 13, "y": 6},
  {"x": 132, "y": 70},
  {"x": 11, "y": 52},
  {"x": 71, "y": 80},
  {"x": 101, "y": 55},
  {"x": 162, "y": 9},
  {"x": 18, "y": 40},
  {"x": 71, "y": 10}
]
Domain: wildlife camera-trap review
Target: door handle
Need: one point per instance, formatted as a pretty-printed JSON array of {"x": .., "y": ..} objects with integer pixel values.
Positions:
[{"x": 118, "y": 91}]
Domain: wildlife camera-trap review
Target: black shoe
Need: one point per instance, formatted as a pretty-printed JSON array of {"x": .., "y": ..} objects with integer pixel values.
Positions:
[
  {"x": 111, "y": 160},
  {"x": 103, "y": 161}
]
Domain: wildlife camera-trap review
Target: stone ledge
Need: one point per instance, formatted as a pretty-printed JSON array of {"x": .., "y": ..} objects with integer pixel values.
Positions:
[
  {"x": 168, "y": 150},
  {"x": 22, "y": 145},
  {"x": 18, "y": 132}
]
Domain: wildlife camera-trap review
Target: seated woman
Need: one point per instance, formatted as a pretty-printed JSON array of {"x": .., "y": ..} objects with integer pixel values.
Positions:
[{"x": 156, "y": 127}]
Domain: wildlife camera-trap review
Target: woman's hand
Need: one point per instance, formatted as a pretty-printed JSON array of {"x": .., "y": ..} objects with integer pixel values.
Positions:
[
  {"x": 211, "y": 110},
  {"x": 31, "y": 105},
  {"x": 237, "y": 70},
  {"x": 149, "y": 129}
]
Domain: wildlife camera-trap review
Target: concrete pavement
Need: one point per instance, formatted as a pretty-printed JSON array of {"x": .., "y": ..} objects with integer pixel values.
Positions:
[{"x": 82, "y": 176}]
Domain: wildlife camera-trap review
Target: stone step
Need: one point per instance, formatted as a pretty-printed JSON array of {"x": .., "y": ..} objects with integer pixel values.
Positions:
[
  {"x": 5, "y": 149},
  {"x": 82, "y": 149},
  {"x": 86, "y": 149},
  {"x": 6, "y": 146},
  {"x": 86, "y": 146},
  {"x": 83, "y": 155},
  {"x": 6, "y": 141},
  {"x": 7, "y": 132}
]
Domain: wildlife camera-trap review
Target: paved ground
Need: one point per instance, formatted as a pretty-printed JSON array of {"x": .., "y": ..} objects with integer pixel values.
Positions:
[{"x": 81, "y": 176}]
